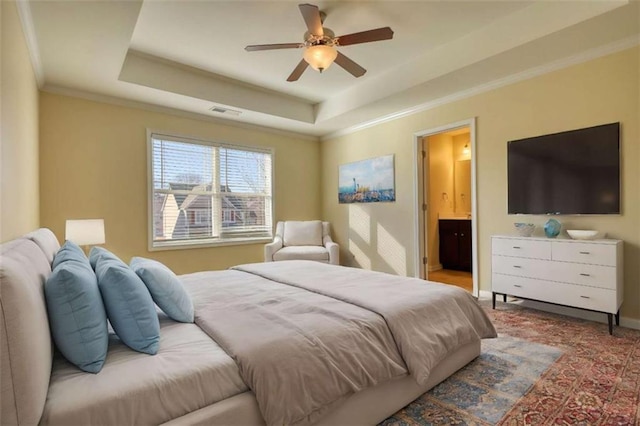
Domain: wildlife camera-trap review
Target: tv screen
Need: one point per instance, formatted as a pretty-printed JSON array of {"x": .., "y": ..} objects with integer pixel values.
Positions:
[{"x": 574, "y": 172}]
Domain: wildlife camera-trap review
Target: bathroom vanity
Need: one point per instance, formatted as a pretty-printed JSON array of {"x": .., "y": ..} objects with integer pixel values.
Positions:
[{"x": 455, "y": 243}]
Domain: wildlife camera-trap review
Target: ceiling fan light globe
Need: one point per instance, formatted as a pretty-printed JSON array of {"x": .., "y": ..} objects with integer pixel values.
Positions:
[{"x": 320, "y": 57}]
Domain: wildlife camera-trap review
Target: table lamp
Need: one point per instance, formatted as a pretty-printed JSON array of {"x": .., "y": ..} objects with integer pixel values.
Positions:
[{"x": 85, "y": 232}]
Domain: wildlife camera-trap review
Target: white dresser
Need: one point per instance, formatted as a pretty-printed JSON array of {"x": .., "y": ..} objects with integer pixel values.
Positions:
[{"x": 577, "y": 273}]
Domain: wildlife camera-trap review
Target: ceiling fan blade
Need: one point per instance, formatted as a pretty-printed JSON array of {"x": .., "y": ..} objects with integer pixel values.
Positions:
[
  {"x": 295, "y": 75},
  {"x": 346, "y": 63},
  {"x": 378, "y": 34},
  {"x": 256, "y": 47},
  {"x": 311, "y": 15}
]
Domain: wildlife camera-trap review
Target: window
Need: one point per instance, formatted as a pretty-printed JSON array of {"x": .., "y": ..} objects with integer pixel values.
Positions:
[{"x": 204, "y": 193}]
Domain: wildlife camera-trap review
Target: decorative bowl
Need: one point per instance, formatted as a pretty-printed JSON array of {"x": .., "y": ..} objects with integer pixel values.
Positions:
[
  {"x": 580, "y": 234},
  {"x": 524, "y": 229}
]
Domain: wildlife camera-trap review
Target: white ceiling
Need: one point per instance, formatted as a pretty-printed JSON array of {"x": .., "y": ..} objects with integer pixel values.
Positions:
[{"x": 189, "y": 55}]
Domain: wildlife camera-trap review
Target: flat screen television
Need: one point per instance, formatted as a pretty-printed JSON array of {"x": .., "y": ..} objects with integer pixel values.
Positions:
[{"x": 574, "y": 172}]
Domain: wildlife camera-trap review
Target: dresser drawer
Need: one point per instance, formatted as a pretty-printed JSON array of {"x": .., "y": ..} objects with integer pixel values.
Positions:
[
  {"x": 518, "y": 286},
  {"x": 573, "y": 273},
  {"x": 594, "y": 254},
  {"x": 596, "y": 299},
  {"x": 533, "y": 249},
  {"x": 523, "y": 267},
  {"x": 582, "y": 274}
]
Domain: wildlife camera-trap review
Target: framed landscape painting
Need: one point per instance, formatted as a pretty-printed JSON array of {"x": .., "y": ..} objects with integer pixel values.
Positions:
[{"x": 367, "y": 181}]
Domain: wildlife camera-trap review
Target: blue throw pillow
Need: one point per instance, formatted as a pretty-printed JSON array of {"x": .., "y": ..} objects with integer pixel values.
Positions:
[
  {"x": 165, "y": 288},
  {"x": 97, "y": 253},
  {"x": 77, "y": 317},
  {"x": 129, "y": 306},
  {"x": 68, "y": 251}
]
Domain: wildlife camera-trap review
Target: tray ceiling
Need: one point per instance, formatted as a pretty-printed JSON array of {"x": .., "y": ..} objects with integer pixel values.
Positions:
[{"x": 189, "y": 55}]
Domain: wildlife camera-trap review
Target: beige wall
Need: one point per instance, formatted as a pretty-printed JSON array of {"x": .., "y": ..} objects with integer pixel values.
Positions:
[
  {"x": 94, "y": 165},
  {"x": 600, "y": 91},
  {"x": 19, "y": 202}
]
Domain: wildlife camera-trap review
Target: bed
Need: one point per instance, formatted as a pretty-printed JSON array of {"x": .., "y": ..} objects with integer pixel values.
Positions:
[{"x": 293, "y": 342}]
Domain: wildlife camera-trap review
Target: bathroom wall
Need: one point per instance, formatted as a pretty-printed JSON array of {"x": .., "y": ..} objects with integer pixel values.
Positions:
[
  {"x": 462, "y": 174},
  {"x": 440, "y": 194}
]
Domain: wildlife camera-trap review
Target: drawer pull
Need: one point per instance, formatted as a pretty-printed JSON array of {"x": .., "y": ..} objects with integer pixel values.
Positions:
[
  {"x": 516, "y": 247},
  {"x": 585, "y": 297},
  {"x": 585, "y": 275},
  {"x": 517, "y": 285},
  {"x": 516, "y": 266},
  {"x": 584, "y": 252}
]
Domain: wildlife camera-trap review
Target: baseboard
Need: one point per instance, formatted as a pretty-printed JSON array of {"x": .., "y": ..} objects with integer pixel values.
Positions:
[
  {"x": 432, "y": 268},
  {"x": 564, "y": 310}
]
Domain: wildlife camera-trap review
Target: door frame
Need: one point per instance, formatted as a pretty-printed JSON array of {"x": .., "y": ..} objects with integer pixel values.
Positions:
[{"x": 418, "y": 197}]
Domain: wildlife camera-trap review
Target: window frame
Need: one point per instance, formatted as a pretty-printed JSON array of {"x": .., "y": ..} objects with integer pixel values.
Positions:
[{"x": 209, "y": 242}]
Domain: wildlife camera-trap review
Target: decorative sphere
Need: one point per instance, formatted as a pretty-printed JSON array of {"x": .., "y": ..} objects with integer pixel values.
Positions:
[{"x": 552, "y": 228}]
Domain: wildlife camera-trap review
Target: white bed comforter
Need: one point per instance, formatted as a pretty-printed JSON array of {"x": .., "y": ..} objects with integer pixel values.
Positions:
[
  {"x": 307, "y": 335},
  {"x": 428, "y": 320}
]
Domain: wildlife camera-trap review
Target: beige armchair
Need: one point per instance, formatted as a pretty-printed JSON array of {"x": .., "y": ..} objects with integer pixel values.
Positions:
[{"x": 305, "y": 240}]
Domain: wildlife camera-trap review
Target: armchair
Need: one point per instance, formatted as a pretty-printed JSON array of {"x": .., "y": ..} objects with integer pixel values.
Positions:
[{"x": 302, "y": 240}]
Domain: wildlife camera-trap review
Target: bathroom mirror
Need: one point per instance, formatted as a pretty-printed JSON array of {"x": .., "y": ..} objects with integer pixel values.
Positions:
[{"x": 462, "y": 187}]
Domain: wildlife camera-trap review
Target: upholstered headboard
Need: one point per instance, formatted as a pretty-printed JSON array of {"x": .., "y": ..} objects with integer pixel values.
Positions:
[{"x": 27, "y": 349}]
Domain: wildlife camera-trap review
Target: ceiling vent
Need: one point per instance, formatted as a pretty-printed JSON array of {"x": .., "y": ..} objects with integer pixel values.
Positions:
[{"x": 223, "y": 110}]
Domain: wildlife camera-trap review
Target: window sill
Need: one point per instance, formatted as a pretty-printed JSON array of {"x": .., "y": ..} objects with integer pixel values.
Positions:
[{"x": 182, "y": 245}]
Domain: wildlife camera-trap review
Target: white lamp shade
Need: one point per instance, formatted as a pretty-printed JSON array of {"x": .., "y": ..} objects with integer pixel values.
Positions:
[
  {"x": 320, "y": 57},
  {"x": 85, "y": 232}
]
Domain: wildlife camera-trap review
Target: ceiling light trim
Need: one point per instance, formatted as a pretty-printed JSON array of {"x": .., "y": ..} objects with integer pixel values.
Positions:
[
  {"x": 29, "y": 31},
  {"x": 577, "y": 59}
]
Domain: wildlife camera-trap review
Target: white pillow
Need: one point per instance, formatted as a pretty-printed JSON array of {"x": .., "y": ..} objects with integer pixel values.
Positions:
[{"x": 306, "y": 233}]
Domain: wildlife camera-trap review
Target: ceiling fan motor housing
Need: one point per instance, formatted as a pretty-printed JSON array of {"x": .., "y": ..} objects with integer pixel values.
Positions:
[{"x": 328, "y": 39}]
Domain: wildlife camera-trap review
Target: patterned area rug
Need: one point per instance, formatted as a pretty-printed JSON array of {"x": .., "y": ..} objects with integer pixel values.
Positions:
[
  {"x": 483, "y": 391},
  {"x": 590, "y": 377}
]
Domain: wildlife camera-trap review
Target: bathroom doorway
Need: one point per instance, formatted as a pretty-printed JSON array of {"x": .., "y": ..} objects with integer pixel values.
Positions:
[{"x": 446, "y": 212}]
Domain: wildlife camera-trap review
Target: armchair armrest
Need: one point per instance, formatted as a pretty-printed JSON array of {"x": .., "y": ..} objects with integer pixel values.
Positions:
[
  {"x": 334, "y": 250},
  {"x": 271, "y": 248}
]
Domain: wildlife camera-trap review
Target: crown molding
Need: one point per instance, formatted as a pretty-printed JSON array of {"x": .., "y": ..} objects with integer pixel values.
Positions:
[
  {"x": 95, "y": 97},
  {"x": 24, "y": 12},
  {"x": 579, "y": 58}
]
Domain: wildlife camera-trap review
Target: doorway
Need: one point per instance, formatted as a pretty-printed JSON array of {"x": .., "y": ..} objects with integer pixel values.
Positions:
[{"x": 446, "y": 205}]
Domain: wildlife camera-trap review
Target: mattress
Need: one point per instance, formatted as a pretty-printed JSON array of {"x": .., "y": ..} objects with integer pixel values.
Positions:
[
  {"x": 189, "y": 372},
  {"x": 367, "y": 407}
]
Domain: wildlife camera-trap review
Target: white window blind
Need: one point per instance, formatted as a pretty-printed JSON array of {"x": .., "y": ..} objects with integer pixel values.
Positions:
[{"x": 205, "y": 193}]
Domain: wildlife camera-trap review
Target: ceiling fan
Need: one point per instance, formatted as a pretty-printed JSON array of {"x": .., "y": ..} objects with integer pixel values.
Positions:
[{"x": 320, "y": 44}]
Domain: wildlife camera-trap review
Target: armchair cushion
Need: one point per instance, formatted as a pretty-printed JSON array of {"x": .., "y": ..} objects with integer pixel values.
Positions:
[
  {"x": 303, "y": 233},
  {"x": 317, "y": 253}
]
